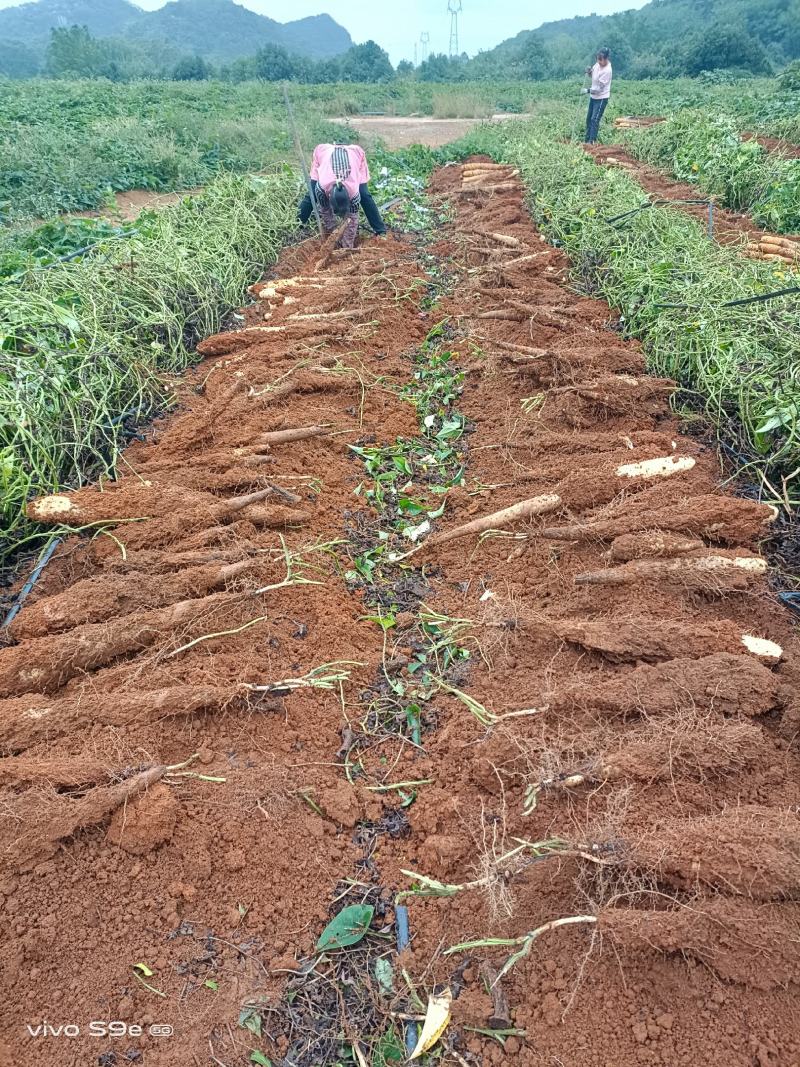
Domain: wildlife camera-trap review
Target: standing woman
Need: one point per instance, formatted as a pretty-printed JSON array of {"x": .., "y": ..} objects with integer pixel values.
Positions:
[
  {"x": 599, "y": 92},
  {"x": 339, "y": 176}
]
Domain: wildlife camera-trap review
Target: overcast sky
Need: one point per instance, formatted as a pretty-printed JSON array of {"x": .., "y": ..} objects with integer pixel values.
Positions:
[{"x": 397, "y": 25}]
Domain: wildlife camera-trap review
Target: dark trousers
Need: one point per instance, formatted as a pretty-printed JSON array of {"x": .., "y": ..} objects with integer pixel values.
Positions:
[
  {"x": 367, "y": 203},
  {"x": 595, "y": 113}
]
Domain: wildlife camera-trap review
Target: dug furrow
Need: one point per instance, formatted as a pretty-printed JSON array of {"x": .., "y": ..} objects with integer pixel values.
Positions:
[
  {"x": 727, "y": 227},
  {"x": 421, "y": 591},
  {"x": 623, "y": 814}
]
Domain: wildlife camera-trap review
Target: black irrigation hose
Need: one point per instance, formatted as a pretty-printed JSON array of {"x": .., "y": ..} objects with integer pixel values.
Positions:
[
  {"x": 15, "y": 279},
  {"x": 32, "y": 580},
  {"x": 791, "y": 601},
  {"x": 737, "y": 303},
  {"x": 654, "y": 203}
]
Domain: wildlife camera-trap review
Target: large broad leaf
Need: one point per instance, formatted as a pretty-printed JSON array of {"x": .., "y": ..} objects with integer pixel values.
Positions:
[{"x": 347, "y": 928}]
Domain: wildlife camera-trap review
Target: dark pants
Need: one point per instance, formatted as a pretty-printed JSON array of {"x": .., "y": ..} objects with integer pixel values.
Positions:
[
  {"x": 367, "y": 203},
  {"x": 595, "y": 113}
]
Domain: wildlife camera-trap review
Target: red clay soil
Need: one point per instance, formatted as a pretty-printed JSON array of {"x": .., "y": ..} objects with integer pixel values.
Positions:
[
  {"x": 662, "y": 755},
  {"x": 730, "y": 227},
  {"x": 775, "y": 144}
]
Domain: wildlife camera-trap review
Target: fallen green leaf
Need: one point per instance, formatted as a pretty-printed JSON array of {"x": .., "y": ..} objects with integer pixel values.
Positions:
[{"x": 347, "y": 928}]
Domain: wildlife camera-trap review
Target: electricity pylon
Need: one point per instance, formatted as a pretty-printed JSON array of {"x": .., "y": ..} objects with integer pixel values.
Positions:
[{"x": 454, "y": 7}]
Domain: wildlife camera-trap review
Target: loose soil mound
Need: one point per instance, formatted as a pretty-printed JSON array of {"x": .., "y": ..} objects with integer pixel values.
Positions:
[{"x": 181, "y": 792}]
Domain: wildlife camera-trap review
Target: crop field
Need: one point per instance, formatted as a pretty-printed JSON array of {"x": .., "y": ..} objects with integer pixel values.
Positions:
[{"x": 410, "y": 662}]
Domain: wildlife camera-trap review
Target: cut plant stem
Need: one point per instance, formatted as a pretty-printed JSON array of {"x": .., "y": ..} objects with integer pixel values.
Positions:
[
  {"x": 526, "y": 941},
  {"x": 431, "y": 887}
]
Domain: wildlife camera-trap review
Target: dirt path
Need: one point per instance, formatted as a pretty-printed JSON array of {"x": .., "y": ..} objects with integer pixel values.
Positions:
[
  {"x": 658, "y": 765},
  {"x": 730, "y": 227},
  {"x": 402, "y": 131}
]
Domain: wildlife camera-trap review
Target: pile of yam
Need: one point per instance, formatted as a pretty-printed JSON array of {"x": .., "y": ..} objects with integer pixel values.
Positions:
[
  {"x": 488, "y": 177},
  {"x": 773, "y": 248}
]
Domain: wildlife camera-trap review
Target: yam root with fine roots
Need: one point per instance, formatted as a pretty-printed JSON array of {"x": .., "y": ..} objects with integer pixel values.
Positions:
[
  {"x": 710, "y": 573},
  {"x": 43, "y": 664},
  {"x": 748, "y": 851},
  {"x": 223, "y": 344},
  {"x": 555, "y": 366},
  {"x": 27, "y": 719},
  {"x": 133, "y": 499},
  {"x": 729, "y": 520},
  {"x": 682, "y": 746},
  {"x": 253, "y": 456},
  {"x": 64, "y": 772},
  {"x": 723, "y": 683},
  {"x": 547, "y": 442},
  {"x": 101, "y": 598},
  {"x": 525, "y": 509},
  {"x": 51, "y": 818},
  {"x": 750, "y": 944},
  {"x": 652, "y": 544},
  {"x": 651, "y": 638},
  {"x": 603, "y": 482}
]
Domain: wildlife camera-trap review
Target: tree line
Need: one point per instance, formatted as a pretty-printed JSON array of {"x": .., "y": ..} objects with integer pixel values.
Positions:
[{"x": 558, "y": 50}]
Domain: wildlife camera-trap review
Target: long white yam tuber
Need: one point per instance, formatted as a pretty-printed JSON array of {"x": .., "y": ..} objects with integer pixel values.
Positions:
[
  {"x": 704, "y": 572},
  {"x": 721, "y": 682},
  {"x": 505, "y": 239},
  {"x": 526, "y": 509},
  {"x": 301, "y": 433},
  {"x": 662, "y": 467}
]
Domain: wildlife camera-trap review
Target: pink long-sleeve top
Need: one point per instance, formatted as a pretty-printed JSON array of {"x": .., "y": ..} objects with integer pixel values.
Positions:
[
  {"x": 341, "y": 162},
  {"x": 601, "y": 82}
]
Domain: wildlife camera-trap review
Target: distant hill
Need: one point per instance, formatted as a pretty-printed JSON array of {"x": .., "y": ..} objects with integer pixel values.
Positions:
[
  {"x": 219, "y": 30},
  {"x": 31, "y": 23},
  {"x": 656, "y": 39},
  {"x": 224, "y": 30}
]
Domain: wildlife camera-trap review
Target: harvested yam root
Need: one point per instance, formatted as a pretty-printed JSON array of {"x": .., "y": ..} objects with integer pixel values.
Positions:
[
  {"x": 726, "y": 684},
  {"x": 623, "y": 394},
  {"x": 552, "y": 365},
  {"x": 545, "y": 442},
  {"x": 131, "y": 499},
  {"x": 50, "y": 818},
  {"x": 600, "y": 484},
  {"x": 672, "y": 748},
  {"x": 26, "y": 719},
  {"x": 710, "y": 573},
  {"x": 45, "y": 663},
  {"x": 222, "y": 344},
  {"x": 300, "y": 433},
  {"x": 98, "y": 599},
  {"x": 255, "y": 457},
  {"x": 750, "y": 851},
  {"x": 652, "y": 545},
  {"x": 730, "y": 520},
  {"x": 656, "y": 639},
  {"x": 59, "y": 773},
  {"x": 754, "y": 945},
  {"x": 526, "y": 509}
]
